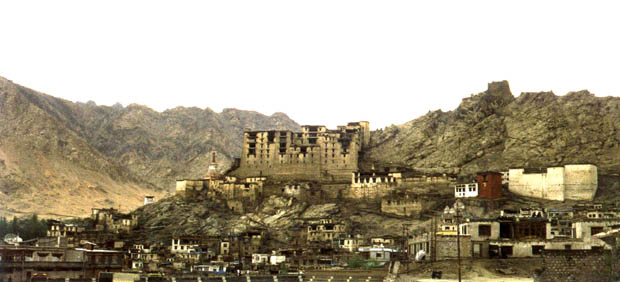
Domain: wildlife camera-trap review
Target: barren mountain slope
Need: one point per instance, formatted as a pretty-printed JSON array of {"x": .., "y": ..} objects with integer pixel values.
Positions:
[
  {"x": 45, "y": 167},
  {"x": 176, "y": 143},
  {"x": 494, "y": 131},
  {"x": 59, "y": 157}
]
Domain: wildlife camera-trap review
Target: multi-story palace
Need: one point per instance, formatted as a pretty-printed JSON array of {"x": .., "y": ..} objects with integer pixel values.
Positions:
[{"x": 315, "y": 153}]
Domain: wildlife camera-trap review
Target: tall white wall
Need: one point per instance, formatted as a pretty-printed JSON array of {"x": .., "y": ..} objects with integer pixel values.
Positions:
[
  {"x": 527, "y": 184},
  {"x": 571, "y": 182},
  {"x": 581, "y": 182},
  {"x": 554, "y": 184}
]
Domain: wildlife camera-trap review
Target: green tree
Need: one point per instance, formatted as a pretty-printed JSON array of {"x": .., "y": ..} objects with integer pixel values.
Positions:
[
  {"x": 4, "y": 227},
  {"x": 356, "y": 261},
  {"x": 14, "y": 226},
  {"x": 26, "y": 228}
]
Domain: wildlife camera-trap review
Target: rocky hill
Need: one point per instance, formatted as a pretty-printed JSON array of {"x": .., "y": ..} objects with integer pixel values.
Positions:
[
  {"x": 277, "y": 215},
  {"x": 62, "y": 158},
  {"x": 493, "y": 130}
]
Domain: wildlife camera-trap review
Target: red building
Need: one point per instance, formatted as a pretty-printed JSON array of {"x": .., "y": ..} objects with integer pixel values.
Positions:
[{"x": 489, "y": 185}]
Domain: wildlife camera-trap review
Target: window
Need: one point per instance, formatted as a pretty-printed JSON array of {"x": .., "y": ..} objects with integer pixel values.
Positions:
[
  {"x": 537, "y": 250},
  {"x": 595, "y": 230},
  {"x": 484, "y": 230},
  {"x": 567, "y": 247},
  {"x": 506, "y": 251}
]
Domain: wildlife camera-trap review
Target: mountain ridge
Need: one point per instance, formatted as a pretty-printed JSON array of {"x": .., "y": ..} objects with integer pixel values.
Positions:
[
  {"x": 61, "y": 157},
  {"x": 494, "y": 130}
]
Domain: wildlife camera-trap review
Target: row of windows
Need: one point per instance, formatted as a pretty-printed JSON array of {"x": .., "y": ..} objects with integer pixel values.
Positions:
[
  {"x": 294, "y": 162},
  {"x": 470, "y": 189}
]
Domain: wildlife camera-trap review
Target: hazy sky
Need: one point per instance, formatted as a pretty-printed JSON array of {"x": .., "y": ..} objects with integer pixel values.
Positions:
[{"x": 321, "y": 62}]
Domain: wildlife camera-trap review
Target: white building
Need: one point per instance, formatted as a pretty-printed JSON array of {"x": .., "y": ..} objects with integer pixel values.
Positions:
[
  {"x": 260, "y": 258},
  {"x": 184, "y": 245},
  {"x": 275, "y": 260},
  {"x": 352, "y": 243},
  {"x": 149, "y": 200},
  {"x": 570, "y": 182},
  {"x": 377, "y": 253},
  {"x": 466, "y": 190}
]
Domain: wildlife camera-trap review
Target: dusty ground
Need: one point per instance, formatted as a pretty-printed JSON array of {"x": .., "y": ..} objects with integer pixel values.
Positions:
[{"x": 474, "y": 270}]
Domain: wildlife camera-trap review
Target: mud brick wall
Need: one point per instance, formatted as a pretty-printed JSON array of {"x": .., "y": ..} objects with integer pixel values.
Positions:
[{"x": 577, "y": 265}]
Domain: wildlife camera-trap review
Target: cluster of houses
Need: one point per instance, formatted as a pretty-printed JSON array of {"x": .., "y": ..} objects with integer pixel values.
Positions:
[
  {"x": 69, "y": 250},
  {"x": 516, "y": 233},
  {"x": 318, "y": 243},
  {"x": 525, "y": 232},
  {"x": 105, "y": 245}
]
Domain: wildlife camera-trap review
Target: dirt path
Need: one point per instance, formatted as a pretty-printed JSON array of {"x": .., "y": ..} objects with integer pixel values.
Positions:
[{"x": 474, "y": 270}]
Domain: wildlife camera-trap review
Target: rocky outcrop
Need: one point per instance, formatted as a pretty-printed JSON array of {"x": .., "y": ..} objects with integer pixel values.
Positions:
[
  {"x": 277, "y": 216},
  {"x": 494, "y": 131}
]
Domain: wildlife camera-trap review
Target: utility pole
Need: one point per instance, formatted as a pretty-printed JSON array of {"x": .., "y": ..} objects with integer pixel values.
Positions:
[
  {"x": 405, "y": 244},
  {"x": 458, "y": 242},
  {"x": 434, "y": 239},
  {"x": 457, "y": 207},
  {"x": 239, "y": 246}
]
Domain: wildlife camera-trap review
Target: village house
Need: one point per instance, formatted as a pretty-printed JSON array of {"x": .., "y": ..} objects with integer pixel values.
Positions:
[
  {"x": 326, "y": 230},
  {"x": 191, "y": 188},
  {"x": 222, "y": 188},
  {"x": 214, "y": 267},
  {"x": 351, "y": 242},
  {"x": 371, "y": 185},
  {"x": 515, "y": 233},
  {"x": 387, "y": 241},
  {"x": 241, "y": 246},
  {"x": 70, "y": 233},
  {"x": 407, "y": 204},
  {"x": 561, "y": 223},
  {"x": 111, "y": 220},
  {"x": 406, "y": 177},
  {"x": 20, "y": 263},
  {"x": 295, "y": 190},
  {"x": 305, "y": 191},
  {"x": 487, "y": 185},
  {"x": 378, "y": 253},
  {"x": 585, "y": 229},
  {"x": 260, "y": 258},
  {"x": 149, "y": 200},
  {"x": 184, "y": 244}
]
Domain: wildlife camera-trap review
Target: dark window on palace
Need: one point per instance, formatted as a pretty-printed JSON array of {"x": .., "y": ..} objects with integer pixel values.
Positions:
[{"x": 484, "y": 230}]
